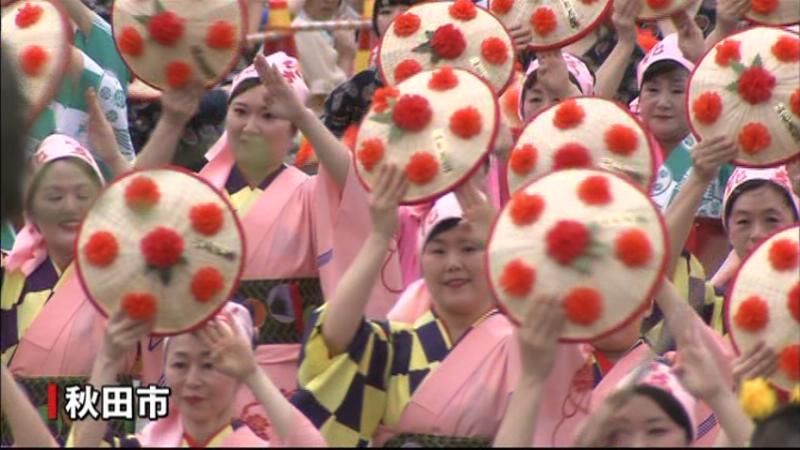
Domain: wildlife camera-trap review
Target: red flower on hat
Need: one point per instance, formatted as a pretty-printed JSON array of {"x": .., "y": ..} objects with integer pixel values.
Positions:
[
  {"x": 588, "y": 2},
  {"x": 567, "y": 240},
  {"x": 727, "y": 51},
  {"x": 523, "y": 159},
  {"x": 466, "y": 122},
  {"x": 380, "y": 100},
  {"x": 221, "y": 35},
  {"x": 206, "y": 283},
  {"x": 707, "y": 107},
  {"x": 517, "y": 278},
  {"x": 494, "y": 51},
  {"x": 787, "y": 49},
  {"x": 443, "y": 79},
  {"x": 756, "y": 84},
  {"x": 140, "y": 306},
  {"x": 794, "y": 102},
  {"x": 790, "y": 362},
  {"x": 28, "y": 15},
  {"x": 543, "y": 20},
  {"x": 406, "y": 24},
  {"x": 371, "y": 153},
  {"x": 130, "y": 41},
  {"x": 526, "y": 208},
  {"x": 595, "y": 190},
  {"x": 633, "y": 248},
  {"x": 447, "y": 42},
  {"x": 784, "y": 255},
  {"x": 422, "y": 168},
  {"x": 501, "y": 6},
  {"x": 101, "y": 249},
  {"x": 142, "y": 193},
  {"x": 165, "y": 28},
  {"x": 621, "y": 139},
  {"x": 570, "y": 156},
  {"x": 162, "y": 248},
  {"x": 412, "y": 112},
  {"x": 658, "y": 4},
  {"x": 568, "y": 115},
  {"x": 763, "y": 6},
  {"x": 206, "y": 218},
  {"x": 405, "y": 69},
  {"x": 754, "y": 138},
  {"x": 462, "y": 10},
  {"x": 583, "y": 306},
  {"x": 752, "y": 315},
  {"x": 32, "y": 60},
  {"x": 794, "y": 302},
  {"x": 178, "y": 74}
]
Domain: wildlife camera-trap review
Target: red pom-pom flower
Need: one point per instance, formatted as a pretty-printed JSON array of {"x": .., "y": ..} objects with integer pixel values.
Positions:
[
  {"x": 794, "y": 102},
  {"x": 787, "y": 49},
  {"x": 466, "y": 122},
  {"x": 754, "y": 138},
  {"x": 206, "y": 283},
  {"x": 526, "y": 208},
  {"x": 784, "y": 255},
  {"x": 462, "y": 10},
  {"x": 206, "y": 218},
  {"x": 130, "y": 42},
  {"x": 494, "y": 51},
  {"x": 523, "y": 159},
  {"x": 443, "y": 79},
  {"x": 178, "y": 74},
  {"x": 544, "y": 21},
  {"x": 32, "y": 60},
  {"x": 406, "y": 24},
  {"x": 448, "y": 42},
  {"x": 501, "y": 7},
  {"x": 380, "y": 100},
  {"x": 371, "y": 153},
  {"x": 162, "y": 248},
  {"x": 756, "y": 85},
  {"x": 412, "y": 112},
  {"x": 567, "y": 240},
  {"x": 727, "y": 51},
  {"x": 633, "y": 248},
  {"x": 221, "y": 35},
  {"x": 752, "y": 315},
  {"x": 140, "y": 306},
  {"x": 595, "y": 190},
  {"x": 142, "y": 193},
  {"x": 406, "y": 68},
  {"x": 763, "y": 6},
  {"x": 793, "y": 302},
  {"x": 621, "y": 139},
  {"x": 568, "y": 115},
  {"x": 707, "y": 107},
  {"x": 517, "y": 278},
  {"x": 165, "y": 28},
  {"x": 570, "y": 156},
  {"x": 583, "y": 306},
  {"x": 790, "y": 362},
  {"x": 28, "y": 15},
  {"x": 101, "y": 249},
  {"x": 422, "y": 168},
  {"x": 658, "y": 4}
]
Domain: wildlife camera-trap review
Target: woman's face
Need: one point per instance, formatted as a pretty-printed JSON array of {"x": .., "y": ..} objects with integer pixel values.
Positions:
[
  {"x": 641, "y": 422},
  {"x": 386, "y": 14},
  {"x": 256, "y": 138},
  {"x": 200, "y": 392},
  {"x": 755, "y": 215},
  {"x": 535, "y": 100},
  {"x": 453, "y": 269},
  {"x": 662, "y": 105},
  {"x": 61, "y": 200}
]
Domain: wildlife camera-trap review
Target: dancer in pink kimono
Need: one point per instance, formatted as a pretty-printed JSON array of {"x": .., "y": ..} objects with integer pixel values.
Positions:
[
  {"x": 204, "y": 369},
  {"x": 301, "y": 231}
]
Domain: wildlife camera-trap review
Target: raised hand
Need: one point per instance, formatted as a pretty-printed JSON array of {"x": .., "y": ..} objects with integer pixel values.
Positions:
[
  {"x": 520, "y": 37},
  {"x": 729, "y": 12},
  {"x": 760, "y": 361},
  {"x": 553, "y": 74},
  {"x": 624, "y": 19},
  {"x": 100, "y": 132},
  {"x": 478, "y": 211},
  {"x": 180, "y": 105},
  {"x": 696, "y": 368},
  {"x": 230, "y": 351},
  {"x": 390, "y": 186},
  {"x": 122, "y": 334},
  {"x": 690, "y": 38},
  {"x": 281, "y": 100},
  {"x": 710, "y": 154},
  {"x": 538, "y": 337}
]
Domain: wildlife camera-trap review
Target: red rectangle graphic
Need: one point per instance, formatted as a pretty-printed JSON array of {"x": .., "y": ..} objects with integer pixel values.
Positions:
[{"x": 52, "y": 401}]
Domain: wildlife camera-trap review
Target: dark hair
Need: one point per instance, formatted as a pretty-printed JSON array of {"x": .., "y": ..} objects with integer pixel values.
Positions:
[
  {"x": 13, "y": 133},
  {"x": 441, "y": 227},
  {"x": 242, "y": 87},
  {"x": 669, "y": 404},
  {"x": 381, "y": 3},
  {"x": 39, "y": 176},
  {"x": 779, "y": 429},
  {"x": 662, "y": 67},
  {"x": 751, "y": 185}
]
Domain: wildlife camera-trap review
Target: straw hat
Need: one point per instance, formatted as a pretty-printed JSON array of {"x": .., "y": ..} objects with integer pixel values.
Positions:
[
  {"x": 586, "y": 235},
  {"x": 552, "y": 23},
  {"x": 457, "y": 34},
  {"x": 657, "y": 9},
  {"x": 38, "y": 35},
  {"x": 438, "y": 124},
  {"x": 746, "y": 87},
  {"x": 162, "y": 243},
  {"x": 582, "y": 132},
  {"x": 764, "y": 303},
  {"x": 774, "y": 12},
  {"x": 166, "y": 43}
]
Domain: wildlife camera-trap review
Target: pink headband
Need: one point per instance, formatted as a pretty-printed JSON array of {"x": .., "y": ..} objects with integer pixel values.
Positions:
[
  {"x": 776, "y": 175},
  {"x": 446, "y": 207},
  {"x": 29, "y": 247},
  {"x": 575, "y": 67},
  {"x": 241, "y": 319},
  {"x": 666, "y": 50}
]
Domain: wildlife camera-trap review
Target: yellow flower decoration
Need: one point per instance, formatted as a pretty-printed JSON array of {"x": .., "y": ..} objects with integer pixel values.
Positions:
[
  {"x": 757, "y": 398},
  {"x": 795, "y": 396}
]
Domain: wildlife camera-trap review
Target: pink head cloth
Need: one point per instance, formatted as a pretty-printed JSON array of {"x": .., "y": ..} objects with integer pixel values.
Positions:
[
  {"x": 575, "y": 67},
  {"x": 776, "y": 175},
  {"x": 666, "y": 50},
  {"x": 446, "y": 207},
  {"x": 241, "y": 318},
  {"x": 29, "y": 247}
]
